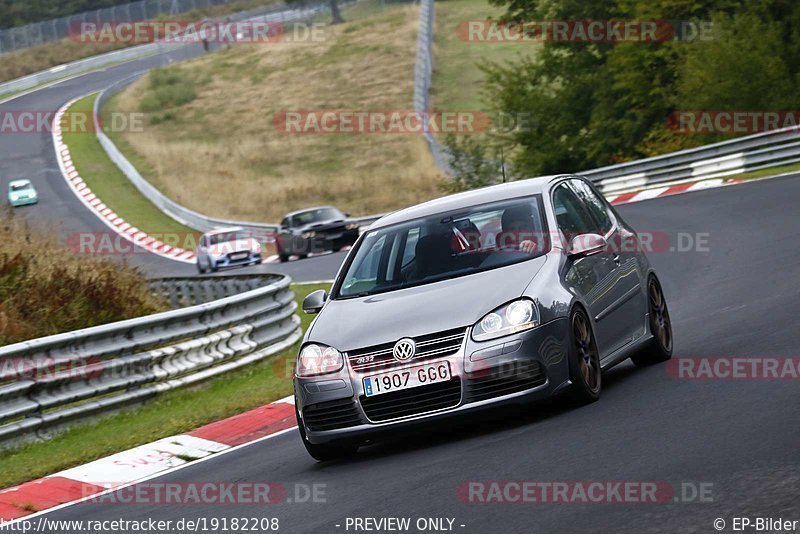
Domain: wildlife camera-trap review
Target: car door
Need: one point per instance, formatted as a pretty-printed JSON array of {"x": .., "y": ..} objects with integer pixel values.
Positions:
[
  {"x": 632, "y": 302},
  {"x": 202, "y": 252},
  {"x": 284, "y": 236},
  {"x": 594, "y": 278}
]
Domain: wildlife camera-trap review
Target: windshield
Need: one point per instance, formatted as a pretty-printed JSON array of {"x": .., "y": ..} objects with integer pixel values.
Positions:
[
  {"x": 446, "y": 246},
  {"x": 19, "y": 187},
  {"x": 317, "y": 215},
  {"x": 224, "y": 237}
]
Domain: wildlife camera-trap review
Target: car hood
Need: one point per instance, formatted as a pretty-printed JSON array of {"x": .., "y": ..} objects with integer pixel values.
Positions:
[
  {"x": 321, "y": 226},
  {"x": 240, "y": 245},
  {"x": 415, "y": 311}
]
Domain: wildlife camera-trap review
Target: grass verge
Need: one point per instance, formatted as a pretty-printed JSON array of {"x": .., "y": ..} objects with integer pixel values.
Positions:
[
  {"x": 38, "y": 58},
  {"x": 46, "y": 289},
  {"x": 458, "y": 81},
  {"x": 224, "y": 138},
  {"x": 172, "y": 413},
  {"x": 109, "y": 183},
  {"x": 761, "y": 173}
]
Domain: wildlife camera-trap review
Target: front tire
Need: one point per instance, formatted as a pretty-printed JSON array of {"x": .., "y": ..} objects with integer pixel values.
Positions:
[
  {"x": 584, "y": 360},
  {"x": 659, "y": 349},
  {"x": 200, "y": 267},
  {"x": 324, "y": 452}
]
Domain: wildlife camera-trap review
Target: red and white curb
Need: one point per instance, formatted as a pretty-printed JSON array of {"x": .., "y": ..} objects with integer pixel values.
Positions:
[
  {"x": 116, "y": 223},
  {"x": 141, "y": 463},
  {"x": 668, "y": 190}
]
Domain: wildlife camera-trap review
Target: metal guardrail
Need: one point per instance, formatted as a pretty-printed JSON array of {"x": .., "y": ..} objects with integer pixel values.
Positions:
[
  {"x": 736, "y": 156},
  {"x": 423, "y": 72},
  {"x": 190, "y": 291},
  {"x": 740, "y": 155},
  {"x": 50, "y": 381},
  {"x": 182, "y": 214},
  {"x": 280, "y": 13},
  {"x": 36, "y": 33}
]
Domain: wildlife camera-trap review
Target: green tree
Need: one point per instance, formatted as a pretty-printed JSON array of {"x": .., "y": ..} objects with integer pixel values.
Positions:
[{"x": 600, "y": 103}]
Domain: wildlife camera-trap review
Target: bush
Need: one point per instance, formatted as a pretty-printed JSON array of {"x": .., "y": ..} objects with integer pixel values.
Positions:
[
  {"x": 46, "y": 289},
  {"x": 473, "y": 164},
  {"x": 601, "y": 103},
  {"x": 169, "y": 88}
]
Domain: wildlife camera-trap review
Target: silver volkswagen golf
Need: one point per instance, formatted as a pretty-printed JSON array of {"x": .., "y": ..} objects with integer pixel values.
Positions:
[{"x": 502, "y": 295}]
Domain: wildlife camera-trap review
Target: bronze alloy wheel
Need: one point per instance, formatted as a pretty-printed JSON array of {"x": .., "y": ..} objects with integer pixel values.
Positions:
[
  {"x": 660, "y": 347},
  {"x": 585, "y": 366},
  {"x": 660, "y": 324}
]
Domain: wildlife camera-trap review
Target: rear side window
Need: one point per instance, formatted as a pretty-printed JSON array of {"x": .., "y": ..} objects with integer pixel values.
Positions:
[
  {"x": 594, "y": 204},
  {"x": 571, "y": 214}
]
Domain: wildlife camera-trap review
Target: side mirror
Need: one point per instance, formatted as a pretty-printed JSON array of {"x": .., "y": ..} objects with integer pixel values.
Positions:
[
  {"x": 586, "y": 245},
  {"x": 314, "y": 302}
]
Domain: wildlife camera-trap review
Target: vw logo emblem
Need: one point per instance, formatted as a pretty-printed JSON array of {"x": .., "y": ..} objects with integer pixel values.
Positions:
[{"x": 404, "y": 350}]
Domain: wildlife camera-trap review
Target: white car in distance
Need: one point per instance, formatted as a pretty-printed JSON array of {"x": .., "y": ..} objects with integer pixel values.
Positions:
[{"x": 227, "y": 247}]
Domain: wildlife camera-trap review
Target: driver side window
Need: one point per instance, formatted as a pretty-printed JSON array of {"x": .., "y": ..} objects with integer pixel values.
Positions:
[{"x": 572, "y": 216}]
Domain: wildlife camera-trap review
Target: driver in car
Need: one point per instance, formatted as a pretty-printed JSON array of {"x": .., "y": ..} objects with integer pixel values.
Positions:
[{"x": 518, "y": 230}]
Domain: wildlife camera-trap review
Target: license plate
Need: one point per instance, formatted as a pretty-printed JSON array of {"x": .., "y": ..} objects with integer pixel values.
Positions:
[
  {"x": 407, "y": 378},
  {"x": 331, "y": 237},
  {"x": 239, "y": 256}
]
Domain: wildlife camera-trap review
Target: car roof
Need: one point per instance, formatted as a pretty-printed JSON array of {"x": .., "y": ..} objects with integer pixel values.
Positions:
[
  {"x": 298, "y": 212},
  {"x": 17, "y": 183},
  {"x": 225, "y": 230},
  {"x": 474, "y": 197}
]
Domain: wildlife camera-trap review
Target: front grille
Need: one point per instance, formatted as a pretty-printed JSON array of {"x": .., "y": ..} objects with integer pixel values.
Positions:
[
  {"x": 412, "y": 401},
  {"x": 331, "y": 415},
  {"x": 379, "y": 357},
  {"x": 238, "y": 256},
  {"x": 504, "y": 380}
]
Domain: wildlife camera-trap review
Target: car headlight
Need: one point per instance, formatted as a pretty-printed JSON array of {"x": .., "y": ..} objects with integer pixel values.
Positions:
[
  {"x": 351, "y": 226},
  {"x": 308, "y": 235},
  {"x": 14, "y": 198},
  {"x": 256, "y": 248},
  {"x": 318, "y": 360},
  {"x": 517, "y": 316}
]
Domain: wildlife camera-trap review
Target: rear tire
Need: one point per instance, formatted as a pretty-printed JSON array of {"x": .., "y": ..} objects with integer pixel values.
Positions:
[
  {"x": 659, "y": 348},
  {"x": 584, "y": 360},
  {"x": 325, "y": 452}
]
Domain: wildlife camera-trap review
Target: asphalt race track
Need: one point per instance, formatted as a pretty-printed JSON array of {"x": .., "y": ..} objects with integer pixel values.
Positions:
[
  {"x": 31, "y": 155},
  {"x": 735, "y": 296}
]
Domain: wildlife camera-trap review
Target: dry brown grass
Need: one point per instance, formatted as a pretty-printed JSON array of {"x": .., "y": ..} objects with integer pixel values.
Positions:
[
  {"x": 222, "y": 155},
  {"x": 46, "y": 288},
  {"x": 37, "y": 58}
]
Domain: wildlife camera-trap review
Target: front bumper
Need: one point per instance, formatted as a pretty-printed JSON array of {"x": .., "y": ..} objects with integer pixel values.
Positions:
[
  {"x": 511, "y": 370},
  {"x": 227, "y": 261},
  {"x": 332, "y": 241}
]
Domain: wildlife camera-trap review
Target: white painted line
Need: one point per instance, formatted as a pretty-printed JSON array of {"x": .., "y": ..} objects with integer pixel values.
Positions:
[
  {"x": 153, "y": 476},
  {"x": 649, "y": 193}
]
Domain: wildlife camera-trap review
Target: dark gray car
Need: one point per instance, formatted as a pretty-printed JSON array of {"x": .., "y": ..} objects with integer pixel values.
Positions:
[
  {"x": 501, "y": 295},
  {"x": 314, "y": 231}
]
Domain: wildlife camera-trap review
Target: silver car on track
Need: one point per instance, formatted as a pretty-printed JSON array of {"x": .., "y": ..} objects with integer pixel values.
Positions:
[
  {"x": 501, "y": 295},
  {"x": 227, "y": 247}
]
